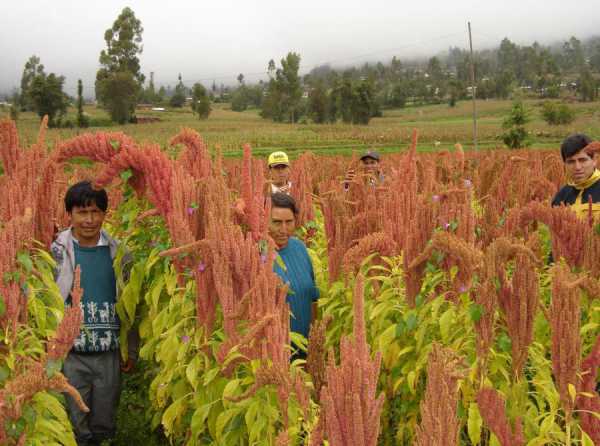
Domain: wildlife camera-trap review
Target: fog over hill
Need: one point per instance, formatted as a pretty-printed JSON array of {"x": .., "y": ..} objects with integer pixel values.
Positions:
[{"x": 217, "y": 41}]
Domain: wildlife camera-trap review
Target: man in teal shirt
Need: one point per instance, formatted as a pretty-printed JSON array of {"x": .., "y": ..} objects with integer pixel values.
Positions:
[{"x": 298, "y": 270}]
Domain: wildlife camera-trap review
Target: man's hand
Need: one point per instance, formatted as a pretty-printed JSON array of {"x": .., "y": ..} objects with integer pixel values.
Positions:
[
  {"x": 350, "y": 176},
  {"x": 128, "y": 365}
]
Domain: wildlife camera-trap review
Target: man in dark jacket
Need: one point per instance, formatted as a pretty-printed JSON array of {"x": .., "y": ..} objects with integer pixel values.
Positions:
[{"x": 583, "y": 177}]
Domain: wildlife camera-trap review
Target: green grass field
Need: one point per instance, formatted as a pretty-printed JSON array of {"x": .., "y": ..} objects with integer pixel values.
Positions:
[{"x": 440, "y": 127}]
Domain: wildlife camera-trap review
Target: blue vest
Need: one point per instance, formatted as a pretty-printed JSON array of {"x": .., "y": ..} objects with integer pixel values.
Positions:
[
  {"x": 300, "y": 277},
  {"x": 101, "y": 323}
]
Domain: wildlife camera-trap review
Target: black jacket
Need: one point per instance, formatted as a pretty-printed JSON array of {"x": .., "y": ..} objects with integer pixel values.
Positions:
[{"x": 568, "y": 194}]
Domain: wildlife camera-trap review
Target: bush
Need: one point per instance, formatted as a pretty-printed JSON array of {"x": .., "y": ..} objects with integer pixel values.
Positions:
[
  {"x": 557, "y": 114},
  {"x": 515, "y": 135},
  {"x": 117, "y": 92},
  {"x": 553, "y": 91},
  {"x": 14, "y": 111}
]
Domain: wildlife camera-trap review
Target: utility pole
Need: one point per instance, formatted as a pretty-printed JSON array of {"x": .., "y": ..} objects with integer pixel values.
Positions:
[{"x": 473, "y": 95}]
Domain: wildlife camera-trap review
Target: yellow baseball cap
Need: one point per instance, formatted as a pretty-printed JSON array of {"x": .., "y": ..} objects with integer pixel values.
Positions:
[{"x": 277, "y": 158}]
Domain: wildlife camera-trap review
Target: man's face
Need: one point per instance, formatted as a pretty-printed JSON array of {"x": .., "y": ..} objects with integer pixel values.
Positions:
[
  {"x": 86, "y": 223},
  {"x": 281, "y": 226},
  {"x": 580, "y": 166},
  {"x": 280, "y": 174},
  {"x": 370, "y": 165}
]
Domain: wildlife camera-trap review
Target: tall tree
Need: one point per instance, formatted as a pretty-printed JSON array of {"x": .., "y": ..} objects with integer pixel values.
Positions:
[
  {"x": 508, "y": 55},
  {"x": 14, "y": 106},
  {"x": 400, "y": 93},
  {"x": 119, "y": 80},
  {"x": 239, "y": 98},
  {"x": 289, "y": 81},
  {"x": 200, "y": 101},
  {"x": 595, "y": 56},
  {"x": 434, "y": 69},
  {"x": 48, "y": 97},
  {"x": 346, "y": 98},
  {"x": 178, "y": 98},
  {"x": 82, "y": 120},
  {"x": 317, "y": 99},
  {"x": 32, "y": 68},
  {"x": 162, "y": 94},
  {"x": 239, "y": 101},
  {"x": 588, "y": 86},
  {"x": 284, "y": 91},
  {"x": 363, "y": 102},
  {"x": 149, "y": 94},
  {"x": 573, "y": 54}
]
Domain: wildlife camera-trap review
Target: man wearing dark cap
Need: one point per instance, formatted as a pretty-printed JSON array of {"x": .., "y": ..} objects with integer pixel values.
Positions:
[
  {"x": 583, "y": 176},
  {"x": 370, "y": 170}
]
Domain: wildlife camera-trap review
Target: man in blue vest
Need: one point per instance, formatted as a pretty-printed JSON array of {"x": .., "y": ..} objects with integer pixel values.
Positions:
[
  {"x": 93, "y": 365},
  {"x": 297, "y": 270}
]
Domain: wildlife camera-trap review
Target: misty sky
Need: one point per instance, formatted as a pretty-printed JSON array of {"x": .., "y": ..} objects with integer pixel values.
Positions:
[{"x": 206, "y": 40}]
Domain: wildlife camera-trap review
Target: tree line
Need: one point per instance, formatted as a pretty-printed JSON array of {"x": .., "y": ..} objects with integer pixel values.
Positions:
[
  {"x": 356, "y": 94},
  {"x": 324, "y": 95}
]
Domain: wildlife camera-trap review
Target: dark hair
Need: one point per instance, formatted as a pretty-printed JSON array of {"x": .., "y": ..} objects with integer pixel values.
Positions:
[
  {"x": 281, "y": 200},
  {"x": 83, "y": 194},
  {"x": 573, "y": 144}
]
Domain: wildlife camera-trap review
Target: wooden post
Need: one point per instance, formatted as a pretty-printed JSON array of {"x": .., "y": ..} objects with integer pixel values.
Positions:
[{"x": 473, "y": 94}]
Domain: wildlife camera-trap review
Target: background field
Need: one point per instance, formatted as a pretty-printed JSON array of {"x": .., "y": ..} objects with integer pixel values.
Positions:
[{"x": 439, "y": 127}]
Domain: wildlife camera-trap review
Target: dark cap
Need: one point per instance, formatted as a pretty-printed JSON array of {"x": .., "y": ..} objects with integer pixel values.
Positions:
[{"x": 370, "y": 154}]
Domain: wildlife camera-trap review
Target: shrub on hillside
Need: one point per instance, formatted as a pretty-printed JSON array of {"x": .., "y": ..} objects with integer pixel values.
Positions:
[
  {"x": 557, "y": 114},
  {"x": 515, "y": 134}
]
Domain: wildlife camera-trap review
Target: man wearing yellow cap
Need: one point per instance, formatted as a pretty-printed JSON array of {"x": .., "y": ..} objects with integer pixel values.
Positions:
[
  {"x": 583, "y": 177},
  {"x": 279, "y": 173}
]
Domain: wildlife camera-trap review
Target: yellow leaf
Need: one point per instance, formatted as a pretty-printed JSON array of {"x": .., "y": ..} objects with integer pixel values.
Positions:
[
  {"x": 387, "y": 337},
  {"x": 199, "y": 419},
  {"x": 192, "y": 372},
  {"x": 404, "y": 351},
  {"x": 572, "y": 391},
  {"x": 210, "y": 375},
  {"x": 411, "y": 377},
  {"x": 474, "y": 423},
  {"x": 172, "y": 413},
  {"x": 230, "y": 388},
  {"x": 591, "y": 326},
  {"x": 586, "y": 440},
  {"x": 446, "y": 321}
]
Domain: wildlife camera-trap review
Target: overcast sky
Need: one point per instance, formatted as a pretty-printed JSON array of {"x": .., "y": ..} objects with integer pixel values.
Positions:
[{"x": 206, "y": 40}]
